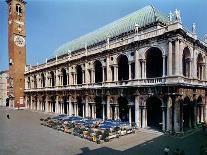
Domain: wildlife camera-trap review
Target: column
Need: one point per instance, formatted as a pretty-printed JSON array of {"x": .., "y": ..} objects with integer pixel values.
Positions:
[
  {"x": 75, "y": 77},
  {"x": 202, "y": 112},
  {"x": 144, "y": 114},
  {"x": 145, "y": 69},
  {"x": 130, "y": 115},
  {"x": 83, "y": 77},
  {"x": 89, "y": 110},
  {"x": 163, "y": 118},
  {"x": 83, "y": 110},
  {"x": 137, "y": 66},
  {"x": 137, "y": 122},
  {"x": 38, "y": 104},
  {"x": 87, "y": 78},
  {"x": 86, "y": 106},
  {"x": 103, "y": 77},
  {"x": 46, "y": 80},
  {"x": 103, "y": 110},
  {"x": 115, "y": 112},
  {"x": 177, "y": 122},
  {"x": 108, "y": 107},
  {"x": 130, "y": 72},
  {"x": 108, "y": 69},
  {"x": 31, "y": 102},
  {"x": 92, "y": 76},
  {"x": 56, "y": 105},
  {"x": 93, "y": 111},
  {"x": 46, "y": 104},
  {"x": 115, "y": 72},
  {"x": 56, "y": 77},
  {"x": 169, "y": 58},
  {"x": 177, "y": 57},
  {"x": 163, "y": 65},
  {"x": 194, "y": 62},
  {"x": 70, "y": 107},
  {"x": 181, "y": 58}
]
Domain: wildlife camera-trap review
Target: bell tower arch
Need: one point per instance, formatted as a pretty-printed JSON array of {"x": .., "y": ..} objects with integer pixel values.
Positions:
[{"x": 16, "y": 51}]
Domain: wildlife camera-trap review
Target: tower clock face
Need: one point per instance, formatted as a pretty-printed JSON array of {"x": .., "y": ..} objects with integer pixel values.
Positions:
[{"x": 19, "y": 41}]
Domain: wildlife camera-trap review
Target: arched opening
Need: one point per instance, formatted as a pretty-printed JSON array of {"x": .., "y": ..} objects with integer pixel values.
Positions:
[
  {"x": 35, "y": 81},
  {"x": 80, "y": 106},
  {"x": 65, "y": 103},
  {"x": 200, "y": 69},
  {"x": 64, "y": 74},
  {"x": 53, "y": 103},
  {"x": 79, "y": 74},
  {"x": 123, "y": 68},
  {"x": 99, "y": 110},
  {"x": 98, "y": 72},
  {"x": 52, "y": 78},
  {"x": 154, "y": 112},
  {"x": 123, "y": 109},
  {"x": 186, "y": 62},
  {"x": 43, "y": 80},
  {"x": 132, "y": 70},
  {"x": 29, "y": 83},
  {"x": 154, "y": 63},
  {"x": 187, "y": 113}
]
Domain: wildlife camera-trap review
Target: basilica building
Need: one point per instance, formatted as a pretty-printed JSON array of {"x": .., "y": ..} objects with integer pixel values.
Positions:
[{"x": 145, "y": 68}]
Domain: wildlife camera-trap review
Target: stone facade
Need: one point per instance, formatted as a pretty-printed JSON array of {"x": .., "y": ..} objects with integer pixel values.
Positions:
[
  {"x": 4, "y": 88},
  {"x": 154, "y": 76}
]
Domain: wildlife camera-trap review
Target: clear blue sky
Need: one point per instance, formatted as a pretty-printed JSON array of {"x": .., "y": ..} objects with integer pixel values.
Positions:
[{"x": 50, "y": 23}]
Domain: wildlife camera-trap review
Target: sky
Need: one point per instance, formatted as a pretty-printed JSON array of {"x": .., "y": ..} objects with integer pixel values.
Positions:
[{"x": 51, "y": 23}]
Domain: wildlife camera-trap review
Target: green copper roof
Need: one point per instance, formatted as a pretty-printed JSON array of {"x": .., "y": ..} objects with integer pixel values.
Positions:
[{"x": 142, "y": 17}]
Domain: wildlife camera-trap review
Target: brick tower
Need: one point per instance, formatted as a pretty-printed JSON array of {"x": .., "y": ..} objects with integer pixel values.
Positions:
[{"x": 17, "y": 51}]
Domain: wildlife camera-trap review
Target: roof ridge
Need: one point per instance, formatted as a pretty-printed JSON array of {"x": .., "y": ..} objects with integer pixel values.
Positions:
[{"x": 144, "y": 16}]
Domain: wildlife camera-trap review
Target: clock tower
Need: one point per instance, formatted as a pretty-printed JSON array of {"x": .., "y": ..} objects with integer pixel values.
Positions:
[{"x": 17, "y": 51}]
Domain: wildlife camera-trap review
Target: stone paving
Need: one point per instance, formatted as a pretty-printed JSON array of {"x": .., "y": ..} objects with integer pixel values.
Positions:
[{"x": 23, "y": 135}]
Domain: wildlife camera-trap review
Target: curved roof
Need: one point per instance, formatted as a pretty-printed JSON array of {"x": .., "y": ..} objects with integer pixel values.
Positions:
[{"x": 142, "y": 17}]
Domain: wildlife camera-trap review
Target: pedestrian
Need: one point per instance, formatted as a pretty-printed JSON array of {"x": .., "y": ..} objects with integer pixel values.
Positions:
[
  {"x": 166, "y": 150},
  {"x": 8, "y": 116}
]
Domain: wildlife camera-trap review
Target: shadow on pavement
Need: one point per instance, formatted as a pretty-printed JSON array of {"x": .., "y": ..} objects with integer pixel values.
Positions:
[{"x": 191, "y": 146}]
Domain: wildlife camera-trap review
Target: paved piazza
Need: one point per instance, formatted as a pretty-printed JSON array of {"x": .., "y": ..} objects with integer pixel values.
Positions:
[{"x": 23, "y": 135}]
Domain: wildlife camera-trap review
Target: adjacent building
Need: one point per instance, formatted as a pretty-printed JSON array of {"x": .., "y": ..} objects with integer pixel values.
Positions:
[
  {"x": 144, "y": 68},
  {"x": 4, "y": 88}
]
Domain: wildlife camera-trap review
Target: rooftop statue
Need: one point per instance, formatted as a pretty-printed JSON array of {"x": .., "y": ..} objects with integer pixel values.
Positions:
[
  {"x": 170, "y": 16},
  {"x": 194, "y": 28},
  {"x": 177, "y": 15}
]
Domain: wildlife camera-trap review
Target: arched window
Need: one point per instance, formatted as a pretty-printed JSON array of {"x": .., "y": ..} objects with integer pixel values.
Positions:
[
  {"x": 35, "y": 81},
  {"x": 18, "y": 9},
  {"x": 79, "y": 74},
  {"x": 186, "y": 62},
  {"x": 29, "y": 83},
  {"x": 123, "y": 68},
  {"x": 98, "y": 72},
  {"x": 64, "y": 74},
  {"x": 154, "y": 63},
  {"x": 200, "y": 67},
  {"x": 43, "y": 80},
  {"x": 52, "y": 78}
]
